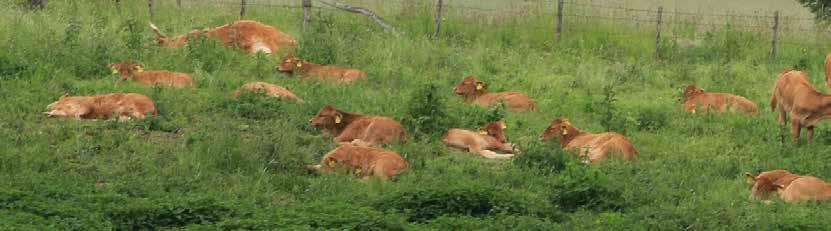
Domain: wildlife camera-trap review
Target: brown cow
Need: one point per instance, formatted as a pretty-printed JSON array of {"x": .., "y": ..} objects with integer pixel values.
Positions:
[
  {"x": 490, "y": 137},
  {"x": 364, "y": 162},
  {"x": 805, "y": 188},
  {"x": 308, "y": 70},
  {"x": 695, "y": 97},
  {"x": 768, "y": 182},
  {"x": 358, "y": 129},
  {"x": 135, "y": 72},
  {"x": 251, "y": 36},
  {"x": 594, "y": 147},
  {"x": 121, "y": 105},
  {"x": 800, "y": 101},
  {"x": 272, "y": 90},
  {"x": 474, "y": 91}
]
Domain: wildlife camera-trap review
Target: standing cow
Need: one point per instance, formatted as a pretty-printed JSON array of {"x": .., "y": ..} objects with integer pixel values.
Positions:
[{"x": 798, "y": 100}]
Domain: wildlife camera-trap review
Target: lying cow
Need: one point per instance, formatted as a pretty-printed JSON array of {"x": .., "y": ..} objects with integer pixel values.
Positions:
[
  {"x": 272, "y": 90},
  {"x": 828, "y": 70},
  {"x": 251, "y": 36},
  {"x": 135, "y": 72},
  {"x": 695, "y": 97},
  {"x": 364, "y": 162},
  {"x": 119, "y": 105},
  {"x": 358, "y": 129},
  {"x": 805, "y": 188},
  {"x": 800, "y": 101},
  {"x": 474, "y": 91},
  {"x": 766, "y": 183},
  {"x": 308, "y": 70},
  {"x": 594, "y": 147},
  {"x": 490, "y": 137}
]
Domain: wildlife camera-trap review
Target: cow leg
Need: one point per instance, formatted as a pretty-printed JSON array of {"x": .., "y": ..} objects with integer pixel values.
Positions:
[
  {"x": 488, "y": 153},
  {"x": 810, "y": 133},
  {"x": 795, "y": 127},
  {"x": 782, "y": 115},
  {"x": 508, "y": 148}
]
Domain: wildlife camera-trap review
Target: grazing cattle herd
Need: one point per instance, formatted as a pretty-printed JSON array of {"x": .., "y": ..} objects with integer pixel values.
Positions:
[{"x": 361, "y": 138}]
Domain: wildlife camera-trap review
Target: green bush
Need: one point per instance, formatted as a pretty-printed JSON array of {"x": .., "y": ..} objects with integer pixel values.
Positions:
[
  {"x": 254, "y": 105},
  {"x": 584, "y": 187},
  {"x": 426, "y": 116},
  {"x": 180, "y": 212},
  {"x": 547, "y": 158},
  {"x": 651, "y": 119},
  {"x": 430, "y": 203}
]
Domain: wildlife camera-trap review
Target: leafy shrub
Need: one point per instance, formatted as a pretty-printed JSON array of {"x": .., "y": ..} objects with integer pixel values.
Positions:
[
  {"x": 336, "y": 216},
  {"x": 584, "y": 187},
  {"x": 427, "y": 204},
  {"x": 651, "y": 119},
  {"x": 253, "y": 105},
  {"x": 546, "y": 158},
  {"x": 162, "y": 214},
  {"x": 426, "y": 116}
]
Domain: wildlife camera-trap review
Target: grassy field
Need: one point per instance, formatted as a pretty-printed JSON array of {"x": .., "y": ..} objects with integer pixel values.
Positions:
[{"x": 209, "y": 162}]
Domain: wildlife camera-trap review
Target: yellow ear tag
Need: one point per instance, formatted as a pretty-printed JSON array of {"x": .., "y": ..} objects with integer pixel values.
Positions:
[
  {"x": 693, "y": 111},
  {"x": 299, "y": 64},
  {"x": 479, "y": 86},
  {"x": 140, "y": 70},
  {"x": 749, "y": 181},
  {"x": 504, "y": 126},
  {"x": 483, "y": 133},
  {"x": 565, "y": 131},
  {"x": 337, "y": 119},
  {"x": 779, "y": 188},
  {"x": 332, "y": 164},
  {"x": 115, "y": 71}
]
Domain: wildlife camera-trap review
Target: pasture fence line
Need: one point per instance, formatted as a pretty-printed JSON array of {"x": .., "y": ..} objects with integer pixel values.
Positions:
[{"x": 570, "y": 16}]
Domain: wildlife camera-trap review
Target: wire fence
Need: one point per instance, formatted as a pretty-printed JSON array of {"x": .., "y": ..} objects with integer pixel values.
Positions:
[{"x": 570, "y": 18}]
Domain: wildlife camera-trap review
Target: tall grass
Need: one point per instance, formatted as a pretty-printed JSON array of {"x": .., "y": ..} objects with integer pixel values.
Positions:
[{"x": 208, "y": 161}]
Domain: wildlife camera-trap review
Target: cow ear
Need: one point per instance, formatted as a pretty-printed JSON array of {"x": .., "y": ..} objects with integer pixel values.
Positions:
[{"x": 65, "y": 95}]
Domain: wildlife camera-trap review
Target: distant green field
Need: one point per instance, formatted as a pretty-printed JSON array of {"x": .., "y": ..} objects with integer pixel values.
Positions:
[{"x": 211, "y": 162}]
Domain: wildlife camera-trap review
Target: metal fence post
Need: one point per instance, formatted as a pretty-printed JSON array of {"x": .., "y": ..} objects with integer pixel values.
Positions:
[
  {"x": 775, "y": 35},
  {"x": 242, "y": 9},
  {"x": 658, "y": 33},
  {"x": 559, "y": 30},
  {"x": 437, "y": 19}
]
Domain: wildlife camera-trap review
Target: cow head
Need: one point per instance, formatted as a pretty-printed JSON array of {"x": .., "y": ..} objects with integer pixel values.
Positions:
[
  {"x": 469, "y": 86},
  {"x": 560, "y": 129},
  {"x": 289, "y": 64},
  {"x": 328, "y": 116},
  {"x": 692, "y": 90},
  {"x": 495, "y": 130},
  {"x": 766, "y": 183},
  {"x": 67, "y": 106},
  {"x": 126, "y": 68}
]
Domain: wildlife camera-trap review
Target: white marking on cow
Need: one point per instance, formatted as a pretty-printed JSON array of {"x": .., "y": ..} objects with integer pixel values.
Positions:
[{"x": 261, "y": 47}]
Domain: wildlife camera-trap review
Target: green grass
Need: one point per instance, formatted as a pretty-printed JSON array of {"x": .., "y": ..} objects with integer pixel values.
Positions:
[{"x": 212, "y": 162}]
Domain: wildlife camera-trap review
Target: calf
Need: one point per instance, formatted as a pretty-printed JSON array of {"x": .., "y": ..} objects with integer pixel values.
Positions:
[
  {"x": 121, "y": 105},
  {"x": 474, "y": 91},
  {"x": 358, "y": 129},
  {"x": 768, "y": 182},
  {"x": 800, "y": 101},
  {"x": 695, "y": 97},
  {"x": 490, "y": 137},
  {"x": 135, "y": 72},
  {"x": 364, "y": 162},
  {"x": 308, "y": 70},
  {"x": 272, "y": 90},
  {"x": 805, "y": 188},
  {"x": 251, "y": 36},
  {"x": 594, "y": 147}
]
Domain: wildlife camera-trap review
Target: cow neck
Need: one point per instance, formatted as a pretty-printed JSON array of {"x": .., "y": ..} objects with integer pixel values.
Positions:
[
  {"x": 346, "y": 119},
  {"x": 824, "y": 104},
  {"x": 476, "y": 94},
  {"x": 573, "y": 133},
  {"x": 691, "y": 97},
  {"x": 307, "y": 66}
]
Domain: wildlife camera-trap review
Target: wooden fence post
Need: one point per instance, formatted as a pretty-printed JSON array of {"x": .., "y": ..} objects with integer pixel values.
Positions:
[
  {"x": 658, "y": 33},
  {"x": 307, "y": 13},
  {"x": 775, "y": 35},
  {"x": 242, "y": 9},
  {"x": 437, "y": 19},
  {"x": 559, "y": 30},
  {"x": 179, "y": 3},
  {"x": 150, "y": 8}
]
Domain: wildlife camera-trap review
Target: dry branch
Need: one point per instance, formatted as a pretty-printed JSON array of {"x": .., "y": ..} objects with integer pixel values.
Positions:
[{"x": 364, "y": 11}]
